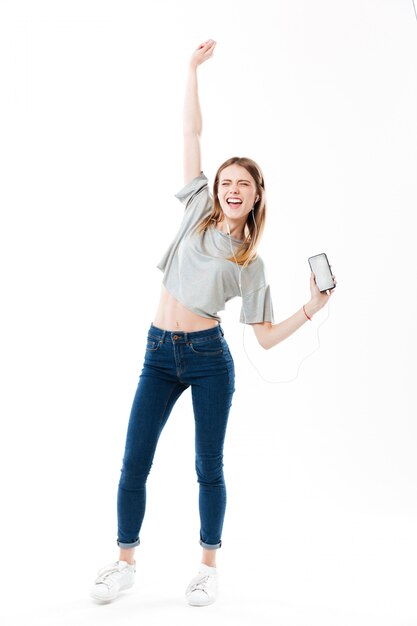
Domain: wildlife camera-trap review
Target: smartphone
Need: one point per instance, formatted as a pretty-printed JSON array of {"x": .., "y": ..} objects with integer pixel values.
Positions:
[{"x": 320, "y": 267}]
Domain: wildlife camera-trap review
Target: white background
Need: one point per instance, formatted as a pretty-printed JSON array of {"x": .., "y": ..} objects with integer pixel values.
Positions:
[{"x": 321, "y": 525}]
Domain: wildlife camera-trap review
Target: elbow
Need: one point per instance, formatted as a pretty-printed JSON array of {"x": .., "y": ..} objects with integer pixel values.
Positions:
[
  {"x": 268, "y": 341},
  {"x": 263, "y": 336},
  {"x": 264, "y": 343}
]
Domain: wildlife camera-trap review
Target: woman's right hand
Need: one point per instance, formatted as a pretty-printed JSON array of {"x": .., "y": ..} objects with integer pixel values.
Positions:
[{"x": 203, "y": 52}]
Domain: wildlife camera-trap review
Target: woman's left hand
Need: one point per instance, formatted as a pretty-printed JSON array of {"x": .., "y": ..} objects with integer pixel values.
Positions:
[{"x": 319, "y": 299}]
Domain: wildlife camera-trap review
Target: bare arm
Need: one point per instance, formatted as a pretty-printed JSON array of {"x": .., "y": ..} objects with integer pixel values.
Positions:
[
  {"x": 269, "y": 335},
  {"x": 192, "y": 120}
]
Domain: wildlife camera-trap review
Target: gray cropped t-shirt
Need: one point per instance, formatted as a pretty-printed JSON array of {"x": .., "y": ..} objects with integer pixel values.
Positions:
[{"x": 197, "y": 272}]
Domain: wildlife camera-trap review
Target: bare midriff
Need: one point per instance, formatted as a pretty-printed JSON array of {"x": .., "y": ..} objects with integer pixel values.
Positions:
[{"x": 172, "y": 315}]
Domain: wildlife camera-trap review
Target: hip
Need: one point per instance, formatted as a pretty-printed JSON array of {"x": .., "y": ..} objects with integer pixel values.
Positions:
[{"x": 189, "y": 356}]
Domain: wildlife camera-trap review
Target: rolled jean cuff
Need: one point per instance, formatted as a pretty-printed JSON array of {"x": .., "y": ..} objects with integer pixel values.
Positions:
[
  {"x": 127, "y": 546},
  {"x": 208, "y": 546}
]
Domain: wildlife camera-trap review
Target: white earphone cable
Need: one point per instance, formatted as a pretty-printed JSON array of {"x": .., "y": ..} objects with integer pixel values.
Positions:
[{"x": 240, "y": 269}]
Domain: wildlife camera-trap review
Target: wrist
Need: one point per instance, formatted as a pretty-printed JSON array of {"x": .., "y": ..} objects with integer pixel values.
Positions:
[{"x": 309, "y": 309}]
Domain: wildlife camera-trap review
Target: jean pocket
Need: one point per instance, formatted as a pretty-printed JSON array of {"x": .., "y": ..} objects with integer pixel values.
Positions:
[
  {"x": 207, "y": 348},
  {"x": 152, "y": 345}
]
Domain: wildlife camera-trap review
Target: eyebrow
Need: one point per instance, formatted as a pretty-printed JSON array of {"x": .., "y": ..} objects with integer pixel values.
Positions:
[{"x": 229, "y": 180}]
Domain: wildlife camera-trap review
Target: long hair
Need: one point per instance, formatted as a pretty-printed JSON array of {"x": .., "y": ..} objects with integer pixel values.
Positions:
[{"x": 255, "y": 222}]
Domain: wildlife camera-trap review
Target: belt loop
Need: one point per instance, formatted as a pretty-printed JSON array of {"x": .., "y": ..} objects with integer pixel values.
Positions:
[
  {"x": 221, "y": 331},
  {"x": 185, "y": 337},
  {"x": 163, "y": 336}
]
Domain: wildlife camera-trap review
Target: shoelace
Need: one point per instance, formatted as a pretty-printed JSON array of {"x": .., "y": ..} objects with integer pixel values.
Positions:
[
  {"x": 107, "y": 572},
  {"x": 200, "y": 584}
]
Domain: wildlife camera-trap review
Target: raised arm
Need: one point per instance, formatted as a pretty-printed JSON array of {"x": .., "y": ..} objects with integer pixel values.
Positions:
[{"x": 192, "y": 120}]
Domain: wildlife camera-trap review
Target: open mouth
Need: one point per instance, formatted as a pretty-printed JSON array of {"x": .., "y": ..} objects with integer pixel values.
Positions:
[{"x": 235, "y": 202}]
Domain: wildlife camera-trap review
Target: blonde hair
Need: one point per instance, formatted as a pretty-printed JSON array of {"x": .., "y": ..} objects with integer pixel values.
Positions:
[{"x": 255, "y": 222}]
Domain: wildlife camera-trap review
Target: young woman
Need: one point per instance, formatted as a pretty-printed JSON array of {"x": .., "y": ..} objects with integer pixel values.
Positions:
[{"x": 212, "y": 259}]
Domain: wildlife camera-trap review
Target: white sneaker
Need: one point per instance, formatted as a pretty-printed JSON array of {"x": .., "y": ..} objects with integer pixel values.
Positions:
[
  {"x": 202, "y": 590},
  {"x": 111, "y": 579}
]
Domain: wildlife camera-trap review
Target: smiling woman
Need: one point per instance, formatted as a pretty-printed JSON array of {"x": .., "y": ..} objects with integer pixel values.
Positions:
[
  {"x": 217, "y": 239},
  {"x": 239, "y": 205}
]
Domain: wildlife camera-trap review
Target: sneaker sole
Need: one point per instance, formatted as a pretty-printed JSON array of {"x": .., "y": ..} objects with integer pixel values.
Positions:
[{"x": 191, "y": 603}]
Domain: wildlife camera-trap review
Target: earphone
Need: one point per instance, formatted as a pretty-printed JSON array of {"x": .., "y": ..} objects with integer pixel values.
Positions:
[{"x": 240, "y": 269}]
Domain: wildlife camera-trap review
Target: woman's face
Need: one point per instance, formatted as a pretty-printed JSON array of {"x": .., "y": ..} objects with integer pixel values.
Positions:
[{"x": 236, "y": 192}]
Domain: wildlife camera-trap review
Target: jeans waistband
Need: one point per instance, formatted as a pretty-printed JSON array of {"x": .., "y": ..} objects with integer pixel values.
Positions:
[{"x": 183, "y": 337}]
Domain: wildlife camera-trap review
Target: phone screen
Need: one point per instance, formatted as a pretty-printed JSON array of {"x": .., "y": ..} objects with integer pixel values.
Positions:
[{"x": 322, "y": 272}]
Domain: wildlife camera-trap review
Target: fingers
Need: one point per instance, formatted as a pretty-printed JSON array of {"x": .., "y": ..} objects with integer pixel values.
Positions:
[
  {"x": 209, "y": 42},
  {"x": 206, "y": 48}
]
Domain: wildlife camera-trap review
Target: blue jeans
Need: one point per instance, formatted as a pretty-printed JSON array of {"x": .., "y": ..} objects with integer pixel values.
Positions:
[{"x": 173, "y": 362}]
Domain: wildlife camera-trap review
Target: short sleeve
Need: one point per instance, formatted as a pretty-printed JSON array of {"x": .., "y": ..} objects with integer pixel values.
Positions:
[
  {"x": 198, "y": 206},
  {"x": 257, "y": 306},
  {"x": 192, "y": 190}
]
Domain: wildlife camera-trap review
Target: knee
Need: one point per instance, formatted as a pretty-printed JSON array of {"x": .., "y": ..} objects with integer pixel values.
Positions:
[
  {"x": 209, "y": 469},
  {"x": 133, "y": 476}
]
